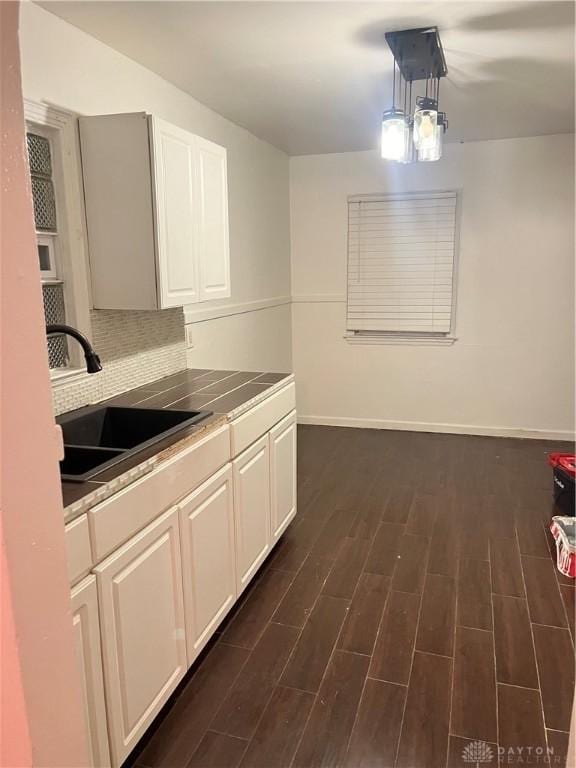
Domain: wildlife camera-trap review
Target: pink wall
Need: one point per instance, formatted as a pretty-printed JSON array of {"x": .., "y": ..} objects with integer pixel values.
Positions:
[
  {"x": 15, "y": 746},
  {"x": 42, "y": 724}
]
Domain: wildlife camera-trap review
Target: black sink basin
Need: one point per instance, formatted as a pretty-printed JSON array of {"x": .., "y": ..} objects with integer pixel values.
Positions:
[
  {"x": 96, "y": 438},
  {"x": 79, "y": 461}
]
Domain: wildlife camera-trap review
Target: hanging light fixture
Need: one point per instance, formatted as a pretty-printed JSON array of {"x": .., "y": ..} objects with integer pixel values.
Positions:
[
  {"x": 395, "y": 135},
  {"x": 418, "y": 56},
  {"x": 395, "y": 129}
]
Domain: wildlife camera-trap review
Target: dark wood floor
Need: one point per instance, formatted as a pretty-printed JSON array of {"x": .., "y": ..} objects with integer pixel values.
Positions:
[{"x": 412, "y": 607}]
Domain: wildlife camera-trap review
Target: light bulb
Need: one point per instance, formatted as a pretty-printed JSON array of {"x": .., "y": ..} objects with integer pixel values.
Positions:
[
  {"x": 430, "y": 152},
  {"x": 425, "y": 124},
  {"x": 426, "y": 127},
  {"x": 395, "y": 136}
]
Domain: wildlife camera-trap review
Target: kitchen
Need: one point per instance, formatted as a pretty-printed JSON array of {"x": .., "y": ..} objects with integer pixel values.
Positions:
[{"x": 305, "y": 516}]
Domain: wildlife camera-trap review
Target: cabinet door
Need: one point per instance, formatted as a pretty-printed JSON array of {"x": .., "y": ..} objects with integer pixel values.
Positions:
[
  {"x": 208, "y": 563},
  {"x": 119, "y": 202},
  {"x": 282, "y": 475},
  {"x": 177, "y": 211},
  {"x": 87, "y": 640},
  {"x": 142, "y": 620},
  {"x": 251, "y": 510},
  {"x": 212, "y": 195}
]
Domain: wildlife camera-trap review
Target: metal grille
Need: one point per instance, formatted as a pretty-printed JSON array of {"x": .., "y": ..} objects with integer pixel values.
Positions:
[
  {"x": 39, "y": 154},
  {"x": 54, "y": 312},
  {"x": 44, "y": 200},
  {"x": 44, "y": 204}
]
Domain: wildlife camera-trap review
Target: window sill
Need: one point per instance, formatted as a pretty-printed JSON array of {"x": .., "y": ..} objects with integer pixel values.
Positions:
[
  {"x": 401, "y": 340},
  {"x": 61, "y": 376}
]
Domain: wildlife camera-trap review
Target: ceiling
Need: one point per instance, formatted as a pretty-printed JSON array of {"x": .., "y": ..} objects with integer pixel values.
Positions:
[{"x": 314, "y": 77}]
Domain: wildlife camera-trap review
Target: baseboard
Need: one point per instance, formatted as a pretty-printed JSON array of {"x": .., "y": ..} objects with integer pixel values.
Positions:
[{"x": 454, "y": 429}]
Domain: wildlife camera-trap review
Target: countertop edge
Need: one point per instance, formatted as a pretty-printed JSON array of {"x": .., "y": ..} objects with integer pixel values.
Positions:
[{"x": 76, "y": 508}]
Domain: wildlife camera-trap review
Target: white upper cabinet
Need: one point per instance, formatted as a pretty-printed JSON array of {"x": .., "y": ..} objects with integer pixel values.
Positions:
[
  {"x": 212, "y": 196},
  {"x": 157, "y": 213},
  {"x": 177, "y": 207}
]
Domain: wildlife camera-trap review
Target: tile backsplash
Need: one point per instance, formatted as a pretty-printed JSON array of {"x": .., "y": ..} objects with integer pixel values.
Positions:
[{"x": 135, "y": 348}]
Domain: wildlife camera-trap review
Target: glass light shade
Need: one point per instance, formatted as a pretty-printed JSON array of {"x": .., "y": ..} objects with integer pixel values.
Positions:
[
  {"x": 395, "y": 136},
  {"x": 432, "y": 151},
  {"x": 425, "y": 128}
]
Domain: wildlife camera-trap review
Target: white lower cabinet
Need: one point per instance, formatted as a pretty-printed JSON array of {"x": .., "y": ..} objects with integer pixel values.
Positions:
[
  {"x": 155, "y": 601},
  {"x": 208, "y": 563},
  {"x": 142, "y": 623},
  {"x": 282, "y": 475},
  {"x": 87, "y": 640},
  {"x": 251, "y": 510}
]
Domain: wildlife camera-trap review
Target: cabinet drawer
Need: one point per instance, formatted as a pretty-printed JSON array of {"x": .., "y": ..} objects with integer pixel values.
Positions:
[
  {"x": 78, "y": 550},
  {"x": 260, "y": 419},
  {"x": 118, "y": 518}
]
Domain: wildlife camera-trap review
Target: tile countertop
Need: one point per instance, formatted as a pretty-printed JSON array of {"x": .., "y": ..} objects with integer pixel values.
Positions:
[{"x": 226, "y": 393}]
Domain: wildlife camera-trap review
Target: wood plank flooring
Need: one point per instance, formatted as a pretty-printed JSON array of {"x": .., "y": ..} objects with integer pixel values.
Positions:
[{"x": 412, "y": 607}]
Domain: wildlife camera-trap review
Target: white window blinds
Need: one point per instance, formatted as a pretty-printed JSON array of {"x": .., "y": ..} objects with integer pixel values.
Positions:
[{"x": 401, "y": 263}]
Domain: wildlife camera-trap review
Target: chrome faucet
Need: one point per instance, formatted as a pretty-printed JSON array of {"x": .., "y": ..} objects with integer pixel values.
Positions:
[{"x": 93, "y": 364}]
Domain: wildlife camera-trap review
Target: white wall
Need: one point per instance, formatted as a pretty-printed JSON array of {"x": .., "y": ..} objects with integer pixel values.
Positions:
[
  {"x": 71, "y": 70},
  {"x": 512, "y": 369},
  {"x": 252, "y": 341}
]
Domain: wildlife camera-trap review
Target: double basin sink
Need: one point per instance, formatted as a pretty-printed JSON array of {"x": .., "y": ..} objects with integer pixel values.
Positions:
[{"x": 96, "y": 438}]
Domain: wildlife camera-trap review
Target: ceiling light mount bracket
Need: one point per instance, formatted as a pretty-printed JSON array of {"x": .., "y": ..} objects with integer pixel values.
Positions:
[{"x": 418, "y": 53}]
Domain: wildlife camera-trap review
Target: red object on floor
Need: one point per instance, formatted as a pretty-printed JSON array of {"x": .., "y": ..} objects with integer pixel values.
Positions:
[
  {"x": 567, "y": 461},
  {"x": 563, "y": 530}
]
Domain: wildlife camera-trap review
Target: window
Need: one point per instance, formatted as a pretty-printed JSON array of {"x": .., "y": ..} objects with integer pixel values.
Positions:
[
  {"x": 401, "y": 266},
  {"x": 41, "y": 164},
  {"x": 56, "y": 180}
]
